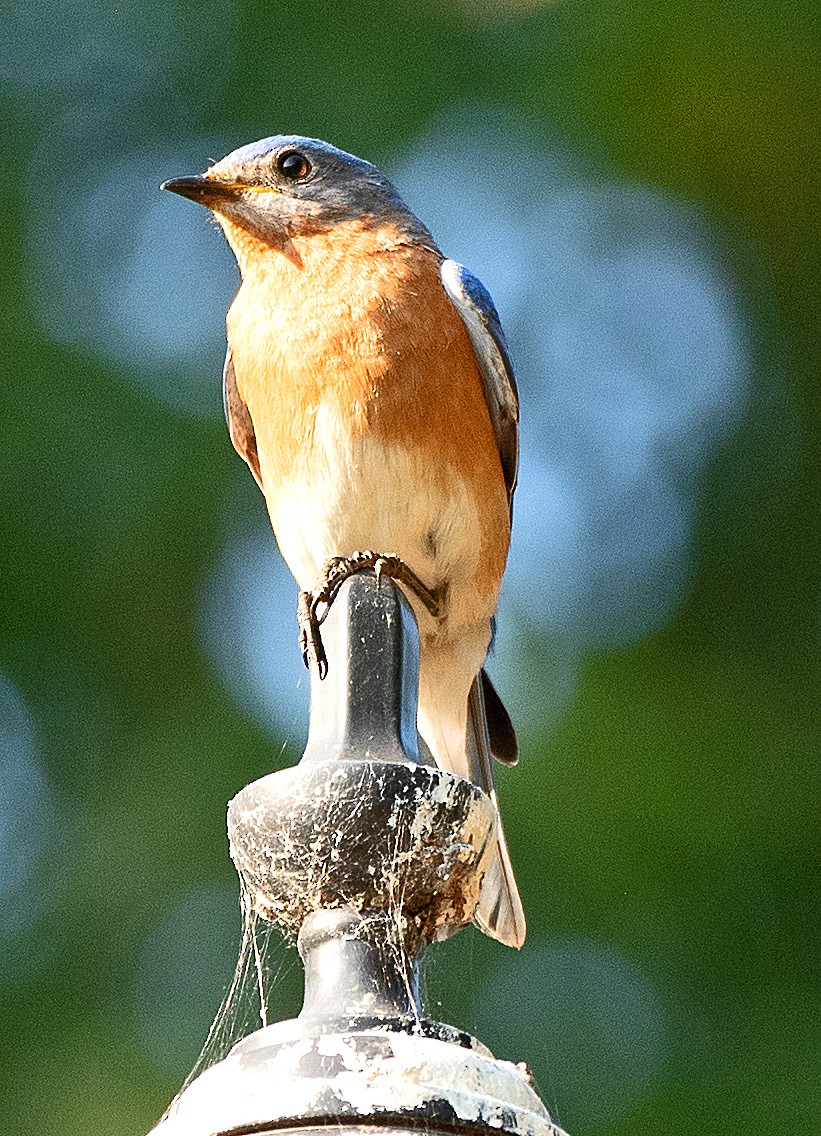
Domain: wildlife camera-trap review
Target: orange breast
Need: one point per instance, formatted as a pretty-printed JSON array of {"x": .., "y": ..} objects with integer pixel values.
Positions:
[{"x": 361, "y": 325}]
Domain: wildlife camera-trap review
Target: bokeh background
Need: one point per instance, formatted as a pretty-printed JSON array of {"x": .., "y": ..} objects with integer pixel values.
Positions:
[{"x": 635, "y": 183}]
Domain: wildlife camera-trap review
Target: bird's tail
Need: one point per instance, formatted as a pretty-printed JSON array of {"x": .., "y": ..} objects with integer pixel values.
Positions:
[{"x": 500, "y": 913}]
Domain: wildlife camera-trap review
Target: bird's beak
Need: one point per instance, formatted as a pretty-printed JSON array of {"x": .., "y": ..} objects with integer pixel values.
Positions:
[{"x": 204, "y": 190}]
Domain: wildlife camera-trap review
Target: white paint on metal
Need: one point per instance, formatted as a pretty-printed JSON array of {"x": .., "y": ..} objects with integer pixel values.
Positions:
[{"x": 350, "y": 1077}]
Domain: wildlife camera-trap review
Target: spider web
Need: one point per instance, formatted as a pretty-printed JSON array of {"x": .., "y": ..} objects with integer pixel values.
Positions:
[{"x": 254, "y": 996}]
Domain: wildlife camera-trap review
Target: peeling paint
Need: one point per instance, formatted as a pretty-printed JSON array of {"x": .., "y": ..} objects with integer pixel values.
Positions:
[{"x": 268, "y": 1079}]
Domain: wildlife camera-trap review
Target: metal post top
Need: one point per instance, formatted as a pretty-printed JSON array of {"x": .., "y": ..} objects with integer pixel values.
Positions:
[
  {"x": 368, "y": 853},
  {"x": 362, "y": 822}
]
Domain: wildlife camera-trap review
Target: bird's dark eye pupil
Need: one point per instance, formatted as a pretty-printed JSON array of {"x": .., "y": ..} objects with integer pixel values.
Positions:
[{"x": 294, "y": 165}]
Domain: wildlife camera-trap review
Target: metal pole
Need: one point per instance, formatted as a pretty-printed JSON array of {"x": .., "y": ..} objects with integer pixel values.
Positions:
[{"x": 366, "y": 852}]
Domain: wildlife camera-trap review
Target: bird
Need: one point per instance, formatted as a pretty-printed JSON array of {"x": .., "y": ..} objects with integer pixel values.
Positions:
[{"x": 369, "y": 387}]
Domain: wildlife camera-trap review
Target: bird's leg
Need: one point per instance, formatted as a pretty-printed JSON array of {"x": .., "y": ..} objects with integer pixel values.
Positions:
[
  {"x": 312, "y": 607},
  {"x": 310, "y": 640}
]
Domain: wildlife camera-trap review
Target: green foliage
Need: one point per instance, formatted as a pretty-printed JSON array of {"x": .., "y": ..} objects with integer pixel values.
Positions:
[{"x": 673, "y": 815}]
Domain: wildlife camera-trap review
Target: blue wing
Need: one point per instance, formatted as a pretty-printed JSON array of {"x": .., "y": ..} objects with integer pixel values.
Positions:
[{"x": 473, "y": 303}]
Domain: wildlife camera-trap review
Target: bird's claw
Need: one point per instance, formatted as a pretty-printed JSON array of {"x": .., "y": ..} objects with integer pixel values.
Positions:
[
  {"x": 310, "y": 639},
  {"x": 313, "y": 607}
]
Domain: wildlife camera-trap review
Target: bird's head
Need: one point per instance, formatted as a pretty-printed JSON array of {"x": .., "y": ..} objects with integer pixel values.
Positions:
[{"x": 287, "y": 186}]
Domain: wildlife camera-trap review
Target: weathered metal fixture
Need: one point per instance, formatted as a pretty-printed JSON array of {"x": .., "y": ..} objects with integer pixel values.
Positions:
[{"x": 367, "y": 853}]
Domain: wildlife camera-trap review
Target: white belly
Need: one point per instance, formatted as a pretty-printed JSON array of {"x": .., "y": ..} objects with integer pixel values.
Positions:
[{"x": 355, "y": 494}]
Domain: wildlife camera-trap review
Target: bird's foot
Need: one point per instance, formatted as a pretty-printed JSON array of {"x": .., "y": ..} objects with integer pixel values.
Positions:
[
  {"x": 310, "y": 639},
  {"x": 313, "y": 607}
]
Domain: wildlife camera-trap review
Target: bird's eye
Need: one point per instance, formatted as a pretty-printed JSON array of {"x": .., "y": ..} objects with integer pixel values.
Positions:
[{"x": 293, "y": 165}]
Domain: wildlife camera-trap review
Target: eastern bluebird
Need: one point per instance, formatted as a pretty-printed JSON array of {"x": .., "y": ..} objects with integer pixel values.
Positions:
[{"x": 369, "y": 388}]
